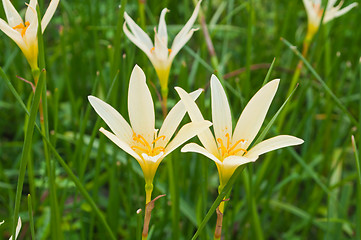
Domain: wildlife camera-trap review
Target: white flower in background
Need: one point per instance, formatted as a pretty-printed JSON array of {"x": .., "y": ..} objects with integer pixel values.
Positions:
[
  {"x": 158, "y": 53},
  {"x": 315, "y": 12},
  {"x": 24, "y": 34}
]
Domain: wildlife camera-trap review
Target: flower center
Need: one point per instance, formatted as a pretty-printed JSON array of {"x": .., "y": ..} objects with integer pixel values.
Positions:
[
  {"x": 229, "y": 149},
  {"x": 145, "y": 147},
  {"x": 153, "y": 48},
  {"x": 22, "y": 28},
  {"x": 318, "y": 9}
]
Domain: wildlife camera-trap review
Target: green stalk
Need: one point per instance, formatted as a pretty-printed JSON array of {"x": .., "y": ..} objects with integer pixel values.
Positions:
[
  {"x": 29, "y": 130},
  {"x": 81, "y": 188},
  {"x": 142, "y": 13},
  {"x": 172, "y": 172},
  {"x": 31, "y": 219},
  {"x": 323, "y": 84},
  {"x": 227, "y": 188},
  {"x": 44, "y": 122}
]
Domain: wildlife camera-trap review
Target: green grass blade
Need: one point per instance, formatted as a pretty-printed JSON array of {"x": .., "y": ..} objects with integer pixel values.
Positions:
[
  {"x": 319, "y": 79},
  {"x": 218, "y": 200}
]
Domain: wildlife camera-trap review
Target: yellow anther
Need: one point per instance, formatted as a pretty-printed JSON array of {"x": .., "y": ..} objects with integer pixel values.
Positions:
[
  {"x": 239, "y": 149},
  {"x": 147, "y": 148},
  {"x": 230, "y": 150},
  {"x": 169, "y": 50},
  {"x": 139, "y": 148},
  {"x": 242, "y": 140},
  {"x": 152, "y": 49},
  {"x": 22, "y": 27}
]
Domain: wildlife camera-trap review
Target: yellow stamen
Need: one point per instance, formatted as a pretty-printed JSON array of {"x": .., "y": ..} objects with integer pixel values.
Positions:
[
  {"x": 155, "y": 140},
  {"x": 147, "y": 148},
  {"x": 230, "y": 149},
  {"x": 152, "y": 49},
  {"x": 169, "y": 50},
  {"x": 22, "y": 27}
]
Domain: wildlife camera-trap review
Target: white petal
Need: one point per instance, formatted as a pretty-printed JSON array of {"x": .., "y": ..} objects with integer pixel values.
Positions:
[
  {"x": 345, "y": 9},
  {"x": 32, "y": 31},
  {"x": 160, "y": 48},
  {"x": 273, "y": 144},
  {"x": 13, "y": 34},
  {"x": 187, "y": 27},
  {"x": 113, "y": 119},
  {"x": 146, "y": 49},
  {"x": 12, "y": 15},
  {"x": 221, "y": 113},
  {"x": 153, "y": 159},
  {"x": 30, "y": 14},
  {"x": 185, "y": 133},
  {"x": 232, "y": 162},
  {"x": 254, "y": 113},
  {"x": 123, "y": 145},
  {"x": 311, "y": 13},
  {"x": 331, "y": 3},
  {"x": 162, "y": 27},
  {"x": 177, "y": 45},
  {"x": 140, "y": 105},
  {"x": 193, "y": 147},
  {"x": 206, "y": 136},
  {"x": 173, "y": 119},
  {"x": 49, "y": 14},
  {"x": 17, "y": 231},
  {"x": 138, "y": 32}
]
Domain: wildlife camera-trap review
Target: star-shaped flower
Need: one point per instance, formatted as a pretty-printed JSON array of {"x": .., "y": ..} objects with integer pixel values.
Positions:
[
  {"x": 158, "y": 53},
  {"x": 230, "y": 149},
  {"x": 315, "y": 12},
  {"x": 24, "y": 34},
  {"x": 140, "y": 139}
]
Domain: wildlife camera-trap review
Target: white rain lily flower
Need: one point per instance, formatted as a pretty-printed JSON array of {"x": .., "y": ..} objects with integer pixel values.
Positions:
[
  {"x": 140, "y": 139},
  {"x": 158, "y": 53},
  {"x": 231, "y": 149},
  {"x": 315, "y": 12},
  {"x": 24, "y": 34}
]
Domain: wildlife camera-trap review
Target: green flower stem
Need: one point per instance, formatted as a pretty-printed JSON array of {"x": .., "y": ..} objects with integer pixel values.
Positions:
[
  {"x": 56, "y": 230},
  {"x": 29, "y": 130}
]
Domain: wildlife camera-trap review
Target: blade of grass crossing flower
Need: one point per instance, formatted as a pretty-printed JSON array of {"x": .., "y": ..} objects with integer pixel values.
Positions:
[
  {"x": 31, "y": 219},
  {"x": 218, "y": 200},
  {"x": 269, "y": 72},
  {"x": 319, "y": 79},
  {"x": 269, "y": 125},
  {"x": 29, "y": 130}
]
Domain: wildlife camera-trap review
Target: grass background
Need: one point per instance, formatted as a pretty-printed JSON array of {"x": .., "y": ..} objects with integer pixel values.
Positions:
[{"x": 307, "y": 192}]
